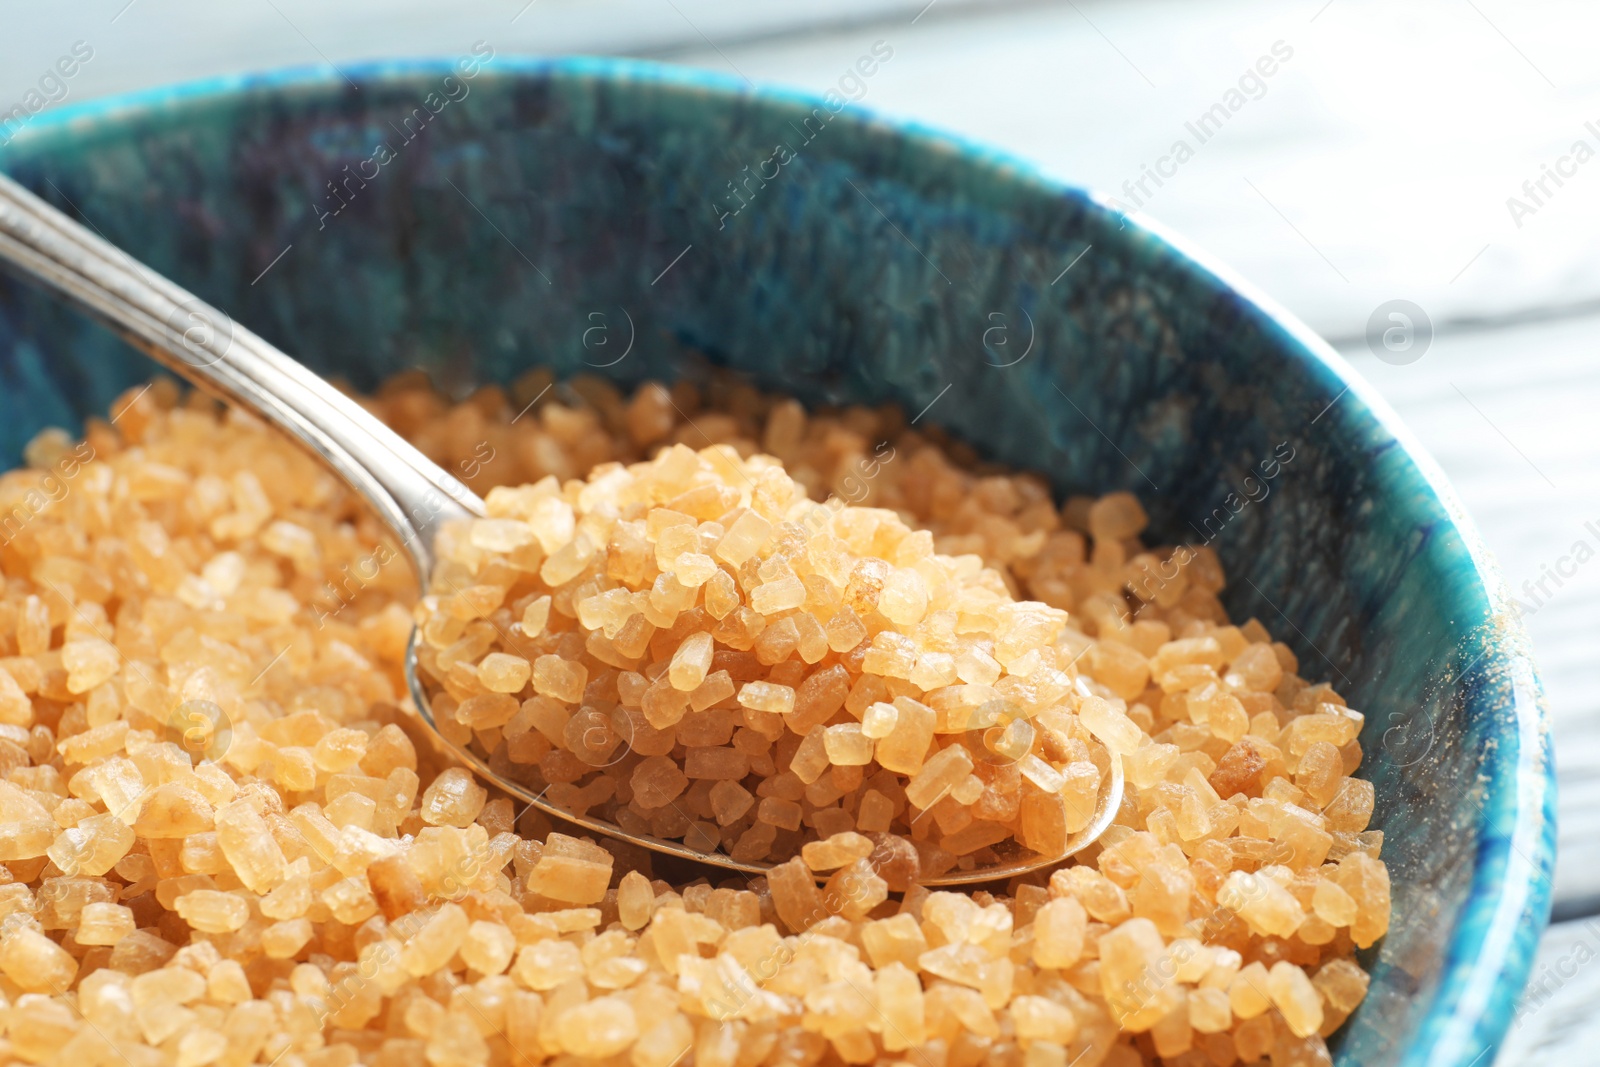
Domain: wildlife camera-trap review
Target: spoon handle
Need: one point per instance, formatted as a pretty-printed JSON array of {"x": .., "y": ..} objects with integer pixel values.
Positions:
[
  {"x": 408, "y": 491},
  {"x": 413, "y": 495}
]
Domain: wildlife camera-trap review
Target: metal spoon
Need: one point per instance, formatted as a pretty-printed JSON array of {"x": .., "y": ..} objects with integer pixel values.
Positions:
[{"x": 412, "y": 495}]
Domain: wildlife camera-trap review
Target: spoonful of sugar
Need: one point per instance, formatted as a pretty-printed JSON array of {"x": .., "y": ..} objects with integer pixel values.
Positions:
[{"x": 686, "y": 653}]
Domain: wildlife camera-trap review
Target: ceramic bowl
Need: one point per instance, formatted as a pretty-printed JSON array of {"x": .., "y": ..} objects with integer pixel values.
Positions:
[{"x": 479, "y": 218}]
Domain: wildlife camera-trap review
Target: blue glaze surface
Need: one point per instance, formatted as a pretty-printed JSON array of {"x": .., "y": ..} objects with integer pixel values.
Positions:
[{"x": 879, "y": 262}]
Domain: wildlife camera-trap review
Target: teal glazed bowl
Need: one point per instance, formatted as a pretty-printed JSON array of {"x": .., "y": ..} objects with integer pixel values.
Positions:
[{"x": 476, "y": 219}]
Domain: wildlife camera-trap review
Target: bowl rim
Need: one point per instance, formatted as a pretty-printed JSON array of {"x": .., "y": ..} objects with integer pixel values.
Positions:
[{"x": 1490, "y": 953}]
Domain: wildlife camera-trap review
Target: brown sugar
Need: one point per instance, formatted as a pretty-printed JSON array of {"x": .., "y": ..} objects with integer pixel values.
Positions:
[{"x": 221, "y": 842}]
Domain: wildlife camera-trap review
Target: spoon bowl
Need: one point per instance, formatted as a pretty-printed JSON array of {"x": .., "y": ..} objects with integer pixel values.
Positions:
[{"x": 413, "y": 496}]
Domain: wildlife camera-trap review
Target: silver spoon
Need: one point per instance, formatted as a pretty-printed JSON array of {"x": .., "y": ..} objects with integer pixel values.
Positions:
[{"x": 413, "y": 496}]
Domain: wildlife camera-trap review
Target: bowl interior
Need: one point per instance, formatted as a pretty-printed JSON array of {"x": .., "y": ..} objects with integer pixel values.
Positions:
[{"x": 629, "y": 221}]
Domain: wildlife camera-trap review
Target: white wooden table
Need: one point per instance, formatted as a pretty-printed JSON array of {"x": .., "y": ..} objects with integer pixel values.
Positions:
[{"x": 1376, "y": 163}]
